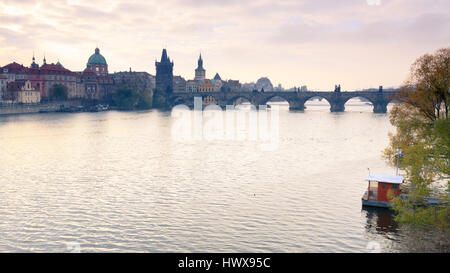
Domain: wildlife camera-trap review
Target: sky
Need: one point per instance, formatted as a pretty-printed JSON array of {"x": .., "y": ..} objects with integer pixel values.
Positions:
[{"x": 319, "y": 43}]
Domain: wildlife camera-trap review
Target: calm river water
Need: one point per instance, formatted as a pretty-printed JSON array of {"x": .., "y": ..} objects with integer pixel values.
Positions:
[{"x": 118, "y": 181}]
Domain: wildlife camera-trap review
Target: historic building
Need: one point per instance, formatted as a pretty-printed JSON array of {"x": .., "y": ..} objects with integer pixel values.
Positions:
[
  {"x": 23, "y": 92},
  {"x": 96, "y": 82},
  {"x": 217, "y": 82},
  {"x": 205, "y": 86},
  {"x": 200, "y": 72},
  {"x": 217, "y": 85},
  {"x": 217, "y": 77},
  {"x": 97, "y": 63},
  {"x": 179, "y": 84},
  {"x": 43, "y": 78},
  {"x": 91, "y": 89},
  {"x": 93, "y": 83},
  {"x": 264, "y": 84},
  {"x": 95, "y": 87},
  {"x": 192, "y": 86},
  {"x": 201, "y": 84},
  {"x": 231, "y": 86},
  {"x": 3, "y": 84},
  {"x": 142, "y": 82},
  {"x": 248, "y": 87},
  {"x": 14, "y": 71},
  {"x": 164, "y": 73}
]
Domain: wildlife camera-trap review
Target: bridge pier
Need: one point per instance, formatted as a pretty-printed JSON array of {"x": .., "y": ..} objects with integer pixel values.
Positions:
[
  {"x": 296, "y": 105},
  {"x": 380, "y": 108},
  {"x": 337, "y": 107}
]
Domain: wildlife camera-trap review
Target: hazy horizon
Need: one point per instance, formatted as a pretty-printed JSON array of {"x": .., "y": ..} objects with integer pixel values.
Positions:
[{"x": 356, "y": 43}]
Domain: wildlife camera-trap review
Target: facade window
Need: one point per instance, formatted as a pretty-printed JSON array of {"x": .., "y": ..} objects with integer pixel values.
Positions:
[{"x": 395, "y": 187}]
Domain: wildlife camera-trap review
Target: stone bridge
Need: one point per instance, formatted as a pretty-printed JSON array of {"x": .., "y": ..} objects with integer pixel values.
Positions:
[{"x": 296, "y": 100}]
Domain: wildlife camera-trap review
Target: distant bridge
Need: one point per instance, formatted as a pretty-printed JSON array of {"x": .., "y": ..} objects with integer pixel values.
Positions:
[{"x": 296, "y": 100}]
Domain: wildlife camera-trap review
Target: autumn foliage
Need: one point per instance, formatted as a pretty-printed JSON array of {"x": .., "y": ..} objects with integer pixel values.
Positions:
[{"x": 421, "y": 118}]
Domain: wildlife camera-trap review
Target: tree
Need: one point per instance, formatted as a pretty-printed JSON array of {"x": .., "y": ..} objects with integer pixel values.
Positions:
[
  {"x": 126, "y": 98},
  {"x": 145, "y": 100},
  {"x": 423, "y": 135},
  {"x": 58, "y": 92},
  {"x": 129, "y": 99}
]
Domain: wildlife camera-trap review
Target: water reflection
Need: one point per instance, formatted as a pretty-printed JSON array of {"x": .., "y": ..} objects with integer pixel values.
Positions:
[{"x": 380, "y": 220}]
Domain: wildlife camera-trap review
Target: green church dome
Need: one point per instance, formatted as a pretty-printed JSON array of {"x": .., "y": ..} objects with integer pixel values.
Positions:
[{"x": 96, "y": 58}]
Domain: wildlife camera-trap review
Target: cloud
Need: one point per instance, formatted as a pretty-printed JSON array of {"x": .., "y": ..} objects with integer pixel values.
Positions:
[{"x": 241, "y": 39}]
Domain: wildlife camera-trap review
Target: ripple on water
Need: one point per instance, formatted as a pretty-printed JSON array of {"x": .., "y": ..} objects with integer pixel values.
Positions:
[{"x": 117, "y": 181}]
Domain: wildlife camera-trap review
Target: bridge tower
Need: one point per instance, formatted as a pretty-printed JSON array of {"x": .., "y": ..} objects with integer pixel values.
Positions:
[
  {"x": 164, "y": 73},
  {"x": 164, "y": 81}
]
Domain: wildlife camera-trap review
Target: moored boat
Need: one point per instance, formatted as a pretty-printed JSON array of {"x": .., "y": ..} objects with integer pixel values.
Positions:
[
  {"x": 99, "y": 108},
  {"x": 377, "y": 194},
  {"x": 379, "y": 185}
]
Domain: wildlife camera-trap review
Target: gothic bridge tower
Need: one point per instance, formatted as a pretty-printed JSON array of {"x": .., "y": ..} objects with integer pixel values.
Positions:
[
  {"x": 164, "y": 73},
  {"x": 164, "y": 81}
]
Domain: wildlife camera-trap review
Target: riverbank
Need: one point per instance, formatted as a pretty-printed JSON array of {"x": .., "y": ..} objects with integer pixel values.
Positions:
[{"x": 17, "y": 109}]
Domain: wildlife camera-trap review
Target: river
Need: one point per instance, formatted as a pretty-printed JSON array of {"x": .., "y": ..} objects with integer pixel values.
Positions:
[{"x": 120, "y": 182}]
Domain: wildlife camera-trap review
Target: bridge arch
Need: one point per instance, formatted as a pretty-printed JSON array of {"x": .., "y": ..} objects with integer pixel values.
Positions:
[
  {"x": 236, "y": 99},
  {"x": 366, "y": 103},
  {"x": 359, "y": 96},
  {"x": 270, "y": 98},
  {"x": 390, "y": 103},
  {"x": 309, "y": 98}
]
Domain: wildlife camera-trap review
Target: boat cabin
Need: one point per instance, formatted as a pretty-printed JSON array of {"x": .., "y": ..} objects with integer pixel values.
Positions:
[{"x": 378, "y": 188}]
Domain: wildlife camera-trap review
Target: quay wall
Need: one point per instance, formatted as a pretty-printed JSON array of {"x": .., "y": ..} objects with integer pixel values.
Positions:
[{"x": 16, "y": 109}]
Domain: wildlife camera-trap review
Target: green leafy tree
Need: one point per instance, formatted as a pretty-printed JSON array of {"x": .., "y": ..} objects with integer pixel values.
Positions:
[
  {"x": 145, "y": 100},
  {"x": 58, "y": 92},
  {"x": 423, "y": 135},
  {"x": 130, "y": 99}
]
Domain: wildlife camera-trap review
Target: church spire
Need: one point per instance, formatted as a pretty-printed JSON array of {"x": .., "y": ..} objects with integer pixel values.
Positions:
[
  {"x": 200, "y": 62},
  {"x": 200, "y": 72},
  {"x": 164, "y": 55},
  {"x": 33, "y": 64}
]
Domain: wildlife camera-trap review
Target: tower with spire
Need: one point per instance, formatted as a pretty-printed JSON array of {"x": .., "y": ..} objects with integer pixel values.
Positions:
[
  {"x": 200, "y": 72},
  {"x": 164, "y": 73},
  {"x": 34, "y": 64}
]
